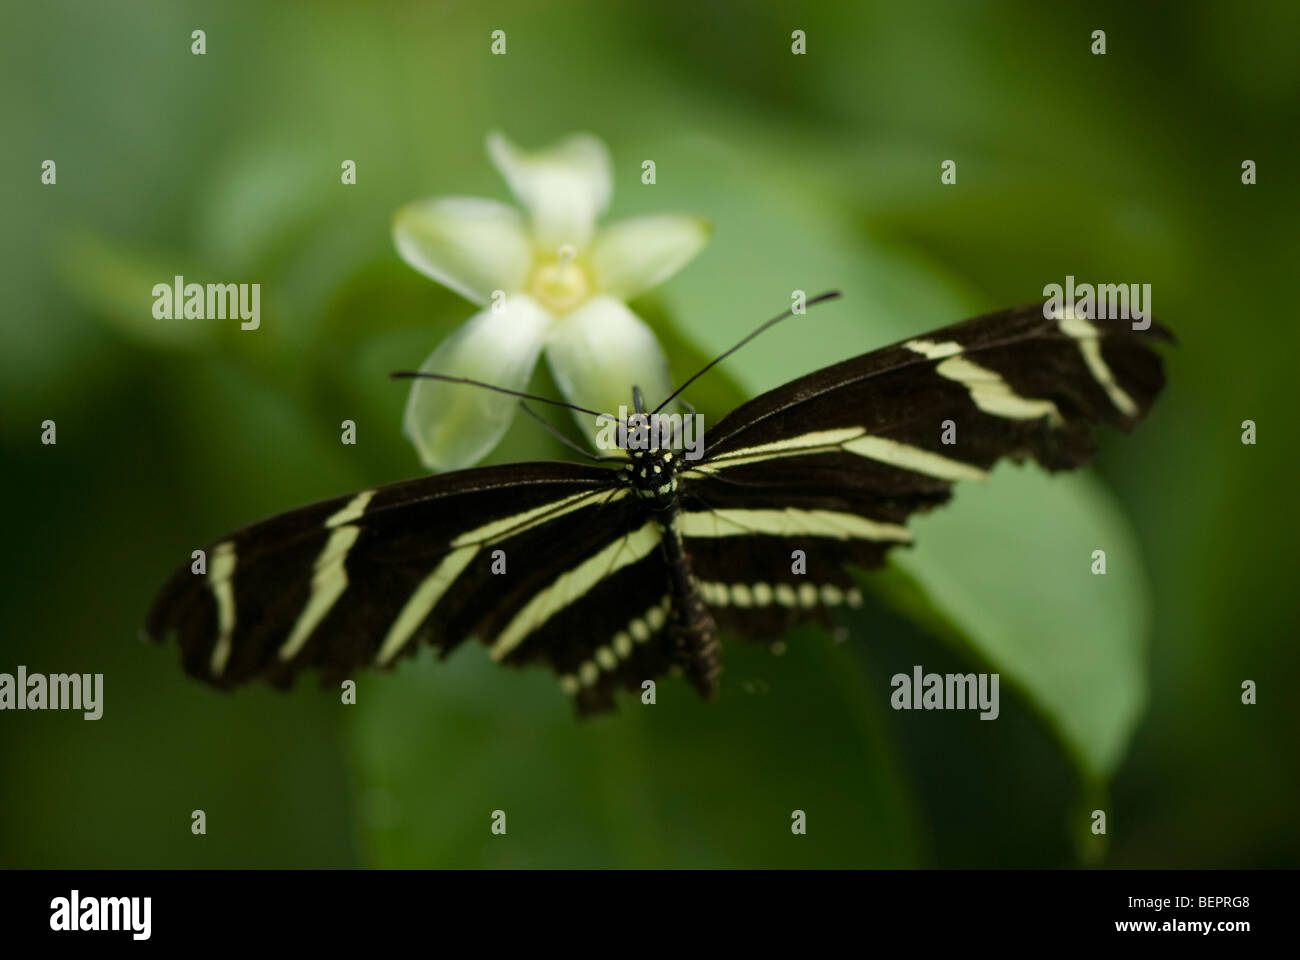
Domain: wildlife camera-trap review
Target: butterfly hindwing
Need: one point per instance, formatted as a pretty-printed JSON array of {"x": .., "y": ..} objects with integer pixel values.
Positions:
[
  {"x": 593, "y": 605},
  {"x": 614, "y": 638}
]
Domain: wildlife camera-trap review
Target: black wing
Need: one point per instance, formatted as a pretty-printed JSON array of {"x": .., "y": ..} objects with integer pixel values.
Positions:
[
  {"x": 503, "y": 554},
  {"x": 832, "y": 464}
]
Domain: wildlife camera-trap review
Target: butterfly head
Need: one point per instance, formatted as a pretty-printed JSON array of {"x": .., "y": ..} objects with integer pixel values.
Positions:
[{"x": 653, "y": 475}]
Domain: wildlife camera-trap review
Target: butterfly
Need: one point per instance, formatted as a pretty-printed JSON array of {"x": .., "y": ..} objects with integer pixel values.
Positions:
[{"x": 617, "y": 572}]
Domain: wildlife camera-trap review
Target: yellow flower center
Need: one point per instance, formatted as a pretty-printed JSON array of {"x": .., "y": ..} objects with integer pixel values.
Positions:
[{"x": 560, "y": 284}]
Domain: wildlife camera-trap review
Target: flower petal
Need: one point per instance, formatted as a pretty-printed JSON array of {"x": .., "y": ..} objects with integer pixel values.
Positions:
[
  {"x": 471, "y": 245},
  {"x": 454, "y": 425},
  {"x": 634, "y": 255},
  {"x": 565, "y": 186},
  {"x": 599, "y": 352}
]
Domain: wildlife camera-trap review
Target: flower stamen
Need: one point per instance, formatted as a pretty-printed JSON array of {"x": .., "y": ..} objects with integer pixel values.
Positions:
[{"x": 560, "y": 284}]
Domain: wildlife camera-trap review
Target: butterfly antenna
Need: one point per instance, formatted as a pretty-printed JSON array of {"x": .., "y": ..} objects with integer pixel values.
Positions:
[
  {"x": 821, "y": 298},
  {"x": 561, "y": 437},
  {"x": 420, "y": 375}
]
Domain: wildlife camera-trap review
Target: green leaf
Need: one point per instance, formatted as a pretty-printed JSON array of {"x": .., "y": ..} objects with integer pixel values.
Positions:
[
  {"x": 1006, "y": 570},
  {"x": 438, "y": 746}
]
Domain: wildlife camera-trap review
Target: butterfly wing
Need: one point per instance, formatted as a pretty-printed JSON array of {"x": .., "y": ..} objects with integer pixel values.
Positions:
[
  {"x": 503, "y": 554},
  {"x": 833, "y": 464}
]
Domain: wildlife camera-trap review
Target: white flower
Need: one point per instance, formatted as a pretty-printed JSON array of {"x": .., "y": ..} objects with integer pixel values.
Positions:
[{"x": 560, "y": 286}]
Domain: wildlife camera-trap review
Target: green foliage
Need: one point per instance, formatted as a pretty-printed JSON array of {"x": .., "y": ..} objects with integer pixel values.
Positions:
[
  {"x": 1121, "y": 691},
  {"x": 1022, "y": 596}
]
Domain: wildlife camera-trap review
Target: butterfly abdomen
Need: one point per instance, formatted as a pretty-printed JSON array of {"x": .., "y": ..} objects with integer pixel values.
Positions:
[
  {"x": 701, "y": 654},
  {"x": 693, "y": 633}
]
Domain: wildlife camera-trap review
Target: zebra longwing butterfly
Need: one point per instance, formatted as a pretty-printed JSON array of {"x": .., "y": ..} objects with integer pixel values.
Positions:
[{"x": 617, "y": 574}]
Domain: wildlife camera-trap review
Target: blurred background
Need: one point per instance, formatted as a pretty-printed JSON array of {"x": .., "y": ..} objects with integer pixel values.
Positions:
[{"x": 817, "y": 171}]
